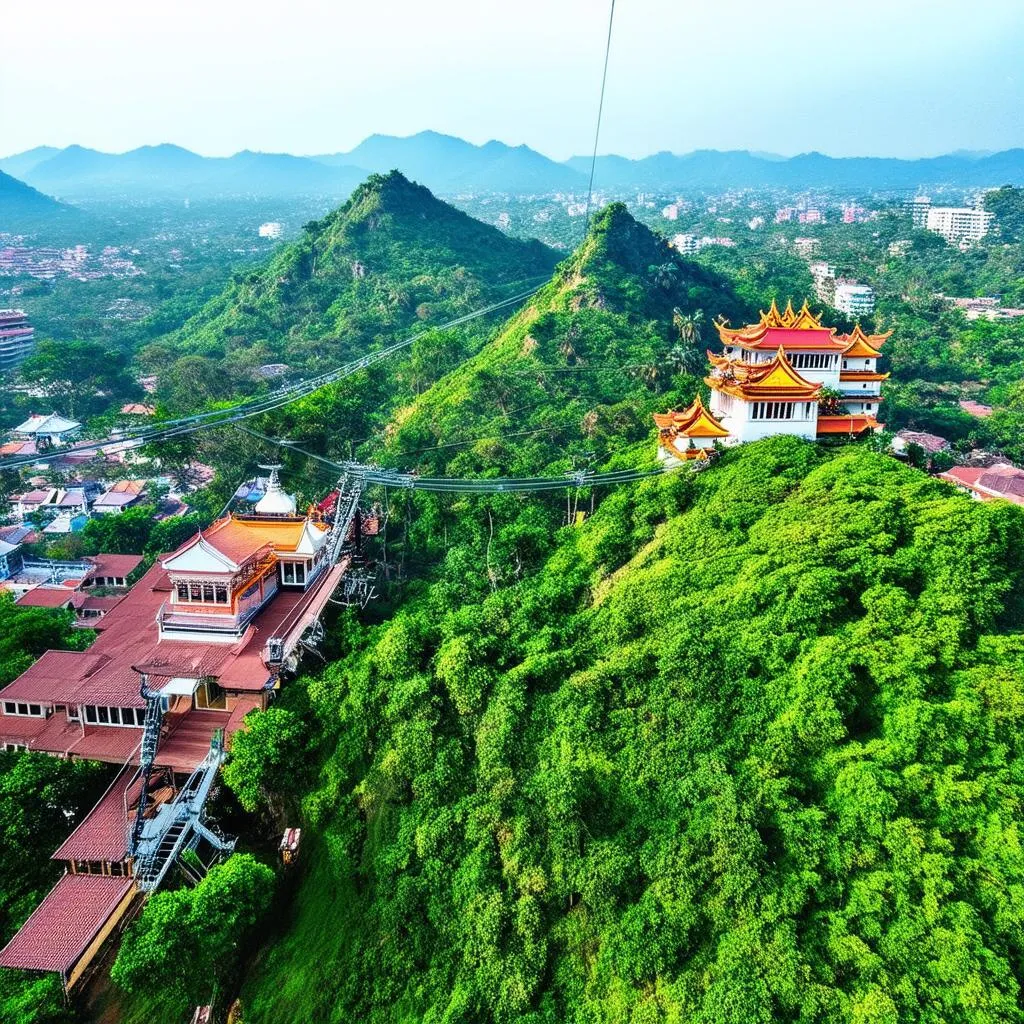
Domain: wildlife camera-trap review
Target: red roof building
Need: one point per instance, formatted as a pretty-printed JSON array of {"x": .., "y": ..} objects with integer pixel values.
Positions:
[
  {"x": 988, "y": 483},
  {"x": 204, "y": 637},
  {"x": 790, "y": 374}
]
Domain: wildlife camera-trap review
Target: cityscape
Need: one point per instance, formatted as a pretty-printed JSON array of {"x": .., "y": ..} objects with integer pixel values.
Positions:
[{"x": 512, "y": 514}]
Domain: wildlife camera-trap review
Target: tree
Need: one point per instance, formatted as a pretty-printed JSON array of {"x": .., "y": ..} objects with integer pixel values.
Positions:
[
  {"x": 81, "y": 376},
  {"x": 188, "y": 942},
  {"x": 269, "y": 758}
]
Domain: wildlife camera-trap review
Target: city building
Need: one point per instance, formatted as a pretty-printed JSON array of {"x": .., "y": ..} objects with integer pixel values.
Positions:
[
  {"x": 806, "y": 247},
  {"x": 46, "y": 431},
  {"x": 770, "y": 380},
  {"x": 918, "y": 208},
  {"x": 855, "y": 300},
  {"x": 959, "y": 225},
  {"x": 271, "y": 229},
  {"x": 989, "y": 483},
  {"x": 17, "y": 338},
  {"x": 824, "y": 275},
  {"x": 670, "y": 212},
  {"x": 685, "y": 243}
]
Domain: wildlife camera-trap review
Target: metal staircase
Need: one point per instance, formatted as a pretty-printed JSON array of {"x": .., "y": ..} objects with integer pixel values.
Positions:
[
  {"x": 152, "y": 724},
  {"x": 178, "y": 824}
]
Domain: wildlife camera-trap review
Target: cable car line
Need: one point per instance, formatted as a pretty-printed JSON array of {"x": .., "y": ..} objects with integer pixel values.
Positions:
[{"x": 169, "y": 429}]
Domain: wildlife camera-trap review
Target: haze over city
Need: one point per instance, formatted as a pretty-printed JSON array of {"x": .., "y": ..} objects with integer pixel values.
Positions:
[{"x": 318, "y": 77}]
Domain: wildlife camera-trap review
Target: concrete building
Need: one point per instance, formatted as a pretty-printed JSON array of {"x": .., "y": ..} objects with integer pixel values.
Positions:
[
  {"x": 272, "y": 229},
  {"x": 959, "y": 225},
  {"x": 918, "y": 208},
  {"x": 854, "y": 299},
  {"x": 17, "y": 338}
]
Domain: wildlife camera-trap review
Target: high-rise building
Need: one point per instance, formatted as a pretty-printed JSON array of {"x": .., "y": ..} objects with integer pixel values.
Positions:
[
  {"x": 17, "y": 338},
  {"x": 918, "y": 208},
  {"x": 272, "y": 229},
  {"x": 854, "y": 299},
  {"x": 959, "y": 225}
]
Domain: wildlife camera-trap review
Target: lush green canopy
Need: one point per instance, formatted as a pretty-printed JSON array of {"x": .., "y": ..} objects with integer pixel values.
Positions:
[{"x": 746, "y": 749}]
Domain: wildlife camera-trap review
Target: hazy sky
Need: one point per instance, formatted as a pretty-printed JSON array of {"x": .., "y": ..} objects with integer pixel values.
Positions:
[{"x": 877, "y": 77}]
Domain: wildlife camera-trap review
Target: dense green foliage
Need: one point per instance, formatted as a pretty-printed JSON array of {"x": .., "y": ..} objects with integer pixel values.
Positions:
[
  {"x": 188, "y": 943},
  {"x": 26, "y": 632},
  {"x": 391, "y": 258},
  {"x": 746, "y": 749}
]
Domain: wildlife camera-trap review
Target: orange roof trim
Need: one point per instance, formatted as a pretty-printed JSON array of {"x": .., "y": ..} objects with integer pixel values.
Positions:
[
  {"x": 694, "y": 421},
  {"x": 777, "y": 380}
]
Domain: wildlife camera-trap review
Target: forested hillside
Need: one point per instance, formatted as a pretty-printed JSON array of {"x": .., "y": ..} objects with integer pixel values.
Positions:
[
  {"x": 746, "y": 748},
  {"x": 393, "y": 257},
  {"x": 743, "y": 746}
]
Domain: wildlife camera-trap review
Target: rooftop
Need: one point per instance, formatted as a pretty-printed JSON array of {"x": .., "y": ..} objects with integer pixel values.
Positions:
[{"x": 65, "y": 923}]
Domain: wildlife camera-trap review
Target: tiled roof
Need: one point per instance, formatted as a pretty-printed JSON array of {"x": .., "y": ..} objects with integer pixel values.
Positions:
[
  {"x": 56, "y": 676},
  {"x": 45, "y": 597},
  {"x": 114, "y": 565},
  {"x": 51, "y": 424},
  {"x": 115, "y": 499},
  {"x": 103, "y": 835},
  {"x": 929, "y": 442},
  {"x": 62, "y": 926}
]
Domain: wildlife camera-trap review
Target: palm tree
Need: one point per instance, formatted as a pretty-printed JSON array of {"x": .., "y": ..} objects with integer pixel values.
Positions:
[
  {"x": 686, "y": 356},
  {"x": 664, "y": 275}
]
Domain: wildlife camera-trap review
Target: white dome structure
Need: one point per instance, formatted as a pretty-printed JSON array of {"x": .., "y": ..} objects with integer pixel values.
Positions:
[{"x": 275, "y": 502}]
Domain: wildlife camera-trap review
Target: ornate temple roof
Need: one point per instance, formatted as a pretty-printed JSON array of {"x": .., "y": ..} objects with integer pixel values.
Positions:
[
  {"x": 694, "y": 421},
  {"x": 862, "y": 345},
  {"x": 774, "y": 381},
  {"x": 791, "y": 329}
]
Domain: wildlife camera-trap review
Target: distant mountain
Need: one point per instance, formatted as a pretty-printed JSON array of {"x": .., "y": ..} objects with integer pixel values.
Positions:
[
  {"x": 23, "y": 209},
  {"x": 78, "y": 172},
  {"x": 21, "y": 163},
  {"x": 712, "y": 169},
  {"x": 448, "y": 164}
]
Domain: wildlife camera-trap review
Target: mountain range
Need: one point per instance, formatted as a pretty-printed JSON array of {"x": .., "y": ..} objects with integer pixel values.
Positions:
[
  {"x": 23, "y": 208},
  {"x": 165, "y": 170},
  {"x": 450, "y": 165}
]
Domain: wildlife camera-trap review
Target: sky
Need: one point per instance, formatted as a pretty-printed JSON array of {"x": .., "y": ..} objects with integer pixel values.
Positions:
[{"x": 867, "y": 78}]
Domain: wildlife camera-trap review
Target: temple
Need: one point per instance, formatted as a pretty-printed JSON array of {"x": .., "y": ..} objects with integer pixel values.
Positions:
[
  {"x": 201, "y": 640},
  {"x": 786, "y": 374}
]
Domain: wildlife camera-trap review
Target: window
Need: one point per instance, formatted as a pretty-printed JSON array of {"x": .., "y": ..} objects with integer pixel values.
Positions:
[
  {"x": 300, "y": 574},
  {"x": 182, "y": 591},
  {"x": 15, "y": 747},
  {"x": 221, "y": 595},
  {"x": 287, "y": 572},
  {"x": 196, "y": 592},
  {"x": 811, "y": 361},
  {"x": 208, "y": 593},
  {"x": 772, "y": 411},
  {"x": 103, "y": 715}
]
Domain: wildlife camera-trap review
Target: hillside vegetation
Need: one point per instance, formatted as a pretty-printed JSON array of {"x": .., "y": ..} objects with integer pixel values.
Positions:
[
  {"x": 392, "y": 258},
  {"x": 742, "y": 747},
  {"x": 746, "y": 748}
]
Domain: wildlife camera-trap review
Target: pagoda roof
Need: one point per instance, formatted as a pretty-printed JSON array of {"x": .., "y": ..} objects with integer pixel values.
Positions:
[
  {"x": 777, "y": 380},
  {"x": 792, "y": 329},
  {"x": 694, "y": 421},
  {"x": 860, "y": 344},
  {"x": 230, "y": 542}
]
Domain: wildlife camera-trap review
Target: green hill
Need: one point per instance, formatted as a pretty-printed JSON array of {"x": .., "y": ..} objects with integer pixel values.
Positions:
[
  {"x": 393, "y": 257},
  {"x": 584, "y": 362},
  {"x": 746, "y": 749},
  {"x": 25, "y": 210}
]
